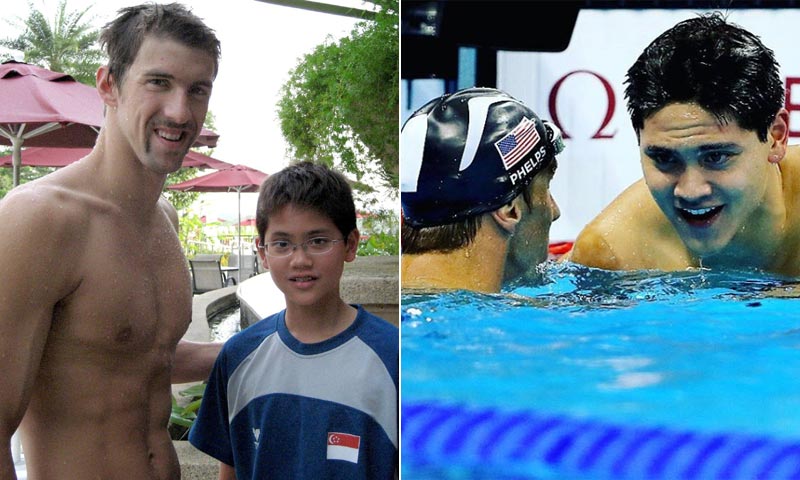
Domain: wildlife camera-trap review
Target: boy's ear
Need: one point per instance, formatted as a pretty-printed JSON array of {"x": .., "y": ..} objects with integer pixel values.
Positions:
[
  {"x": 352, "y": 245},
  {"x": 262, "y": 254}
]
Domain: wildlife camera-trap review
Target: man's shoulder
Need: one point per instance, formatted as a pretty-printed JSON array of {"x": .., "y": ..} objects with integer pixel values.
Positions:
[
  {"x": 170, "y": 211},
  {"x": 624, "y": 233},
  {"x": 44, "y": 208}
]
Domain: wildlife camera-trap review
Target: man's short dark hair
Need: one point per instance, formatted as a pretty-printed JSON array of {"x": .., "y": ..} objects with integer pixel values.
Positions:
[
  {"x": 721, "y": 67},
  {"x": 307, "y": 185},
  {"x": 123, "y": 37},
  {"x": 450, "y": 237}
]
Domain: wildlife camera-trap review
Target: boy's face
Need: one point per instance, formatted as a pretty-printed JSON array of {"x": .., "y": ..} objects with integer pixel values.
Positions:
[
  {"x": 161, "y": 106},
  {"x": 307, "y": 280},
  {"x": 708, "y": 179}
]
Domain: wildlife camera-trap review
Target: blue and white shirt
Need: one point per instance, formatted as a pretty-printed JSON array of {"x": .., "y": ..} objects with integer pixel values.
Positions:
[{"x": 278, "y": 408}]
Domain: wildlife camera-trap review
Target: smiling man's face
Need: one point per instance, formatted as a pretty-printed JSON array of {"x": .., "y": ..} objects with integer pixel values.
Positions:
[
  {"x": 708, "y": 178},
  {"x": 163, "y": 101}
]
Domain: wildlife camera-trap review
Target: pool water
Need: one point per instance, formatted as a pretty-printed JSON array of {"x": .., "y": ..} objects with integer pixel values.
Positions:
[
  {"x": 597, "y": 374},
  {"x": 225, "y": 323}
]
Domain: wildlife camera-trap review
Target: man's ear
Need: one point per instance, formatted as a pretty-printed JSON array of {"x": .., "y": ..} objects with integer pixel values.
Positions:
[
  {"x": 352, "y": 245},
  {"x": 778, "y": 135},
  {"x": 508, "y": 216},
  {"x": 105, "y": 86}
]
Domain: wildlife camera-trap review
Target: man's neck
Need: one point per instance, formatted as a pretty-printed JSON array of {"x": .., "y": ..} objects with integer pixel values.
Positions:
[
  {"x": 125, "y": 181},
  {"x": 478, "y": 267}
]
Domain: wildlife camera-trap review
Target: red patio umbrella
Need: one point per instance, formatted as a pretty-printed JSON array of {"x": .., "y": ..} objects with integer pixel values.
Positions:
[
  {"x": 42, "y": 108},
  {"x": 61, "y": 157},
  {"x": 238, "y": 178}
]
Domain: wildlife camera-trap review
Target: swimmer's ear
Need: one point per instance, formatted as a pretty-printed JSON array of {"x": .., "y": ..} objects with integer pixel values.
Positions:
[
  {"x": 778, "y": 136},
  {"x": 508, "y": 216},
  {"x": 105, "y": 86}
]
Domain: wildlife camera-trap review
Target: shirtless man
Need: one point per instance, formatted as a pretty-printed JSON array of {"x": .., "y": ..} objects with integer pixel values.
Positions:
[
  {"x": 721, "y": 188},
  {"x": 96, "y": 290},
  {"x": 476, "y": 169}
]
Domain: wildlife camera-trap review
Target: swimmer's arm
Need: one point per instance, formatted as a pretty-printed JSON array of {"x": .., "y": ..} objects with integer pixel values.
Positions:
[
  {"x": 34, "y": 278},
  {"x": 226, "y": 472},
  {"x": 593, "y": 250},
  {"x": 194, "y": 361}
]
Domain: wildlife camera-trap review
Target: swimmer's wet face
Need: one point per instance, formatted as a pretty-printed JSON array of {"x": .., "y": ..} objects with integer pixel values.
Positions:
[
  {"x": 162, "y": 105},
  {"x": 528, "y": 247},
  {"x": 709, "y": 178}
]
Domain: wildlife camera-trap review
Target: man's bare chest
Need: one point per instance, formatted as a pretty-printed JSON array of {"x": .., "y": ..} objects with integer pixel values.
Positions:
[{"x": 134, "y": 293}]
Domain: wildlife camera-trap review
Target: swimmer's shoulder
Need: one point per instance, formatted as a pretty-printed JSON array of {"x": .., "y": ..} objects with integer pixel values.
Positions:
[
  {"x": 51, "y": 205},
  {"x": 169, "y": 210},
  {"x": 790, "y": 173},
  {"x": 618, "y": 237}
]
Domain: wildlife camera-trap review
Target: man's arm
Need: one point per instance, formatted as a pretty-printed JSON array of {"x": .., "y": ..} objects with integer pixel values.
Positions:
[
  {"x": 226, "y": 472},
  {"x": 37, "y": 258},
  {"x": 194, "y": 360}
]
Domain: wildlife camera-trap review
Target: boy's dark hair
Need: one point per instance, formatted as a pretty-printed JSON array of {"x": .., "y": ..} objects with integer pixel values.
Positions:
[
  {"x": 721, "y": 67},
  {"x": 449, "y": 237},
  {"x": 122, "y": 37},
  {"x": 307, "y": 185}
]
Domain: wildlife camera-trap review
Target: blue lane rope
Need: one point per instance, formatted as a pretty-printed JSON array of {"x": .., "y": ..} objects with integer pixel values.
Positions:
[{"x": 441, "y": 435}]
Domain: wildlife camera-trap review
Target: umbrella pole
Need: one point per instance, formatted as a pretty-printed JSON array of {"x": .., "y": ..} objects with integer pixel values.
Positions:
[
  {"x": 16, "y": 158},
  {"x": 239, "y": 226}
]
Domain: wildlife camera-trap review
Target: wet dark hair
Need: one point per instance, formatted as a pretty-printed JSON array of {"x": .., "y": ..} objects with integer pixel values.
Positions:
[
  {"x": 715, "y": 64},
  {"x": 307, "y": 185},
  {"x": 123, "y": 37},
  {"x": 449, "y": 237}
]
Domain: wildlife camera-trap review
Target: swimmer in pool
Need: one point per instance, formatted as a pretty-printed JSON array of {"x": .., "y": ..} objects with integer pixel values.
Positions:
[
  {"x": 721, "y": 188},
  {"x": 475, "y": 171}
]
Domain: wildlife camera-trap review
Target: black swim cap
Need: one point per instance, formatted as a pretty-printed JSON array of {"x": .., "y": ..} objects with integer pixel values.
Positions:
[{"x": 469, "y": 153}]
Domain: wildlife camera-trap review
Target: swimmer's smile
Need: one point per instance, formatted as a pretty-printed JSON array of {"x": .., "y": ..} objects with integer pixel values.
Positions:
[
  {"x": 700, "y": 217},
  {"x": 170, "y": 137}
]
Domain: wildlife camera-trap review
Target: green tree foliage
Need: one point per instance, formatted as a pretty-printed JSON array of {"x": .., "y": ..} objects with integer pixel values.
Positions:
[
  {"x": 68, "y": 44},
  {"x": 379, "y": 234},
  {"x": 340, "y": 104}
]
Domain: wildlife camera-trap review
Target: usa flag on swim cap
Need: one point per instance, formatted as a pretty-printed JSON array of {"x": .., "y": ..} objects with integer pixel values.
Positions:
[{"x": 514, "y": 146}]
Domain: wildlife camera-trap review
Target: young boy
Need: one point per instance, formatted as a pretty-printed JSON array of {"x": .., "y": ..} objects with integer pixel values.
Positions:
[{"x": 310, "y": 392}]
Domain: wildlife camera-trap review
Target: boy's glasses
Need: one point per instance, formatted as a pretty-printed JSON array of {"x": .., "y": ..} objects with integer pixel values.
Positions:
[{"x": 312, "y": 246}]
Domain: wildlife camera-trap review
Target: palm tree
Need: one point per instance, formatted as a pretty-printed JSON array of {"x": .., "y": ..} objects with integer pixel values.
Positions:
[{"x": 68, "y": 44}]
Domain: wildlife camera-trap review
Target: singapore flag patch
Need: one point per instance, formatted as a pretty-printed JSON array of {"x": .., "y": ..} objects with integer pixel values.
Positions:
[{"x": 343, "y": 446}]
